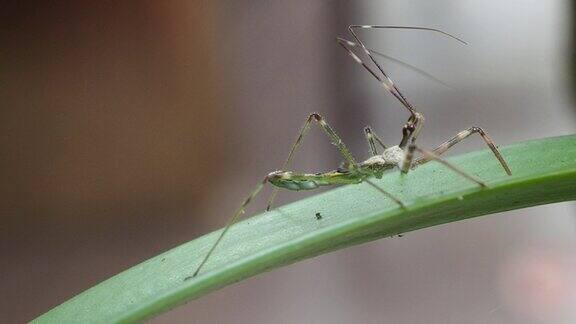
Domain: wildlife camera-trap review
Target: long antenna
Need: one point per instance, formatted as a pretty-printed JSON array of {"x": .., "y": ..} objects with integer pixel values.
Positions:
[
  {"x": 401, "y": 63},
  {"x": 386, "y": 80}
]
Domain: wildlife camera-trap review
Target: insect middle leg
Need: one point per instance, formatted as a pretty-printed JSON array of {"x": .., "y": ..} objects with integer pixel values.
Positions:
[
  {"x": 334, "y": 138},
  {"x": 372, "y": 139},
  {"x": 460, "y": 137},
  {"x": 386, "y": 193},
  {"x": 429, "y": 155}
]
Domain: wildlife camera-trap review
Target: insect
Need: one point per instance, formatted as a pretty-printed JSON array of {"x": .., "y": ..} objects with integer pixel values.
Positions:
[
  {"x": 352, "y": 172},
  {"x": 318, "y": 216}
]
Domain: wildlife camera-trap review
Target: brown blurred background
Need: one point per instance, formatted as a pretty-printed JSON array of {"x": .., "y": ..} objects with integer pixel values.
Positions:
[{"x": 129, "y": 128}]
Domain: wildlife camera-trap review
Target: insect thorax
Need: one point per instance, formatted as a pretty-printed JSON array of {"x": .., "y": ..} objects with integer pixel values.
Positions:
[
  {"x": 390, "y": 158},
  {"x": 394, "y": 155}
]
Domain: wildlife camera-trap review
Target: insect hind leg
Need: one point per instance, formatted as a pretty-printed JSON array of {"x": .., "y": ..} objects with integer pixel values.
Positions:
[
  {"x": 231, "y": 222},
  {"x": 329, "y": 131}
]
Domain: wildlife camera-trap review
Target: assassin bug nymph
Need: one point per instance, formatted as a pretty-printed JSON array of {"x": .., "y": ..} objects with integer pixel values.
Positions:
[{"x": 352, "y": 172}]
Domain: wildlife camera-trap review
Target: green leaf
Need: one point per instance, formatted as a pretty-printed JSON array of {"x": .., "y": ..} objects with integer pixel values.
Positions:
[{"x": 544, "y": 171}]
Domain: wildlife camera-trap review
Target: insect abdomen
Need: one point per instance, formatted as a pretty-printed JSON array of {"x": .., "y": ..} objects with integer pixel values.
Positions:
[
  {"x": 296, "y": 185},
  {"x": 292, "y": 181}
]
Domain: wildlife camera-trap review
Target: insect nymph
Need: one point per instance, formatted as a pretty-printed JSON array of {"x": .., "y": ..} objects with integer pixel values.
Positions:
[{"x": 400, "y": 156}]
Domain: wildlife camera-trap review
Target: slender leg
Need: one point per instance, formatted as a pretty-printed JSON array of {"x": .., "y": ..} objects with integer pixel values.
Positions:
[
  {"x": 432, "y": 156},
  {"x": 386, "y": 82},
  {"x": 370, "y": 137},
  {"x": 334, "y": 138},
  {"x": 397, "y": 61},
  {"x": 353, "y": 27},
  {"x": 415, "y": 123},
  {"x": 416, "y": 120},
  {"x": 410, "y": 132},
  {"x": 460, "y": 137},
  {"x": 231, "y": 222},
  {"x": 390, "y": 84},
  {"x": 386, "y": 193}
]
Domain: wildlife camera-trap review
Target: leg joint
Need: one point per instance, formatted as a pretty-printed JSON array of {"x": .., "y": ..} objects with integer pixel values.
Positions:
[
  {"x": 476, "y": 129},
  {"x": 316, "y": 116},
  {"x": 419, "y": 117}
]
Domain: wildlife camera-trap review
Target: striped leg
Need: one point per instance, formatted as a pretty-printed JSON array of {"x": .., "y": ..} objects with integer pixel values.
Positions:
[
  {"x": 334, "y": 138},
  {"x": 397, "y": 61},
  {"x": 460, "y": 137},
  {"x": 416, "y": 120},
  {"x": 410, "y": 133},
  {"x": 386, "y": 82},
  {"x": 414, "y": 125},
  {"x": 353, "y": 27}
]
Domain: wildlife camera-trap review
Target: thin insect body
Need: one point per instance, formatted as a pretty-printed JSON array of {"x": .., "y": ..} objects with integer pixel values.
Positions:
[
  {"x": 415, "y": 122},
  {"x": 398, "y": 156}
]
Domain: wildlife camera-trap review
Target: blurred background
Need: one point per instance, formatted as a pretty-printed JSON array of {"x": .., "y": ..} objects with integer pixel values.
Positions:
[{"x": 130, "y": 128}]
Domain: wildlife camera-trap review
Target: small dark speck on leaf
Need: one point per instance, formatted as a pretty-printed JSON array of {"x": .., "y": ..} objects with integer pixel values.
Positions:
[
  {"x": 318, "y": 216},
  {"x": 163, "y": 259}
]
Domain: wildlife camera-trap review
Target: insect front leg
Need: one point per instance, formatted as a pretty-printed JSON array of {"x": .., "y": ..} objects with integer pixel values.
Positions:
[
  {"x": 385, "y": 81},
  {"x": 397, "y": 61},
  {"x": 410, "y": 133},
  {"x": 386, "y": 193}
]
